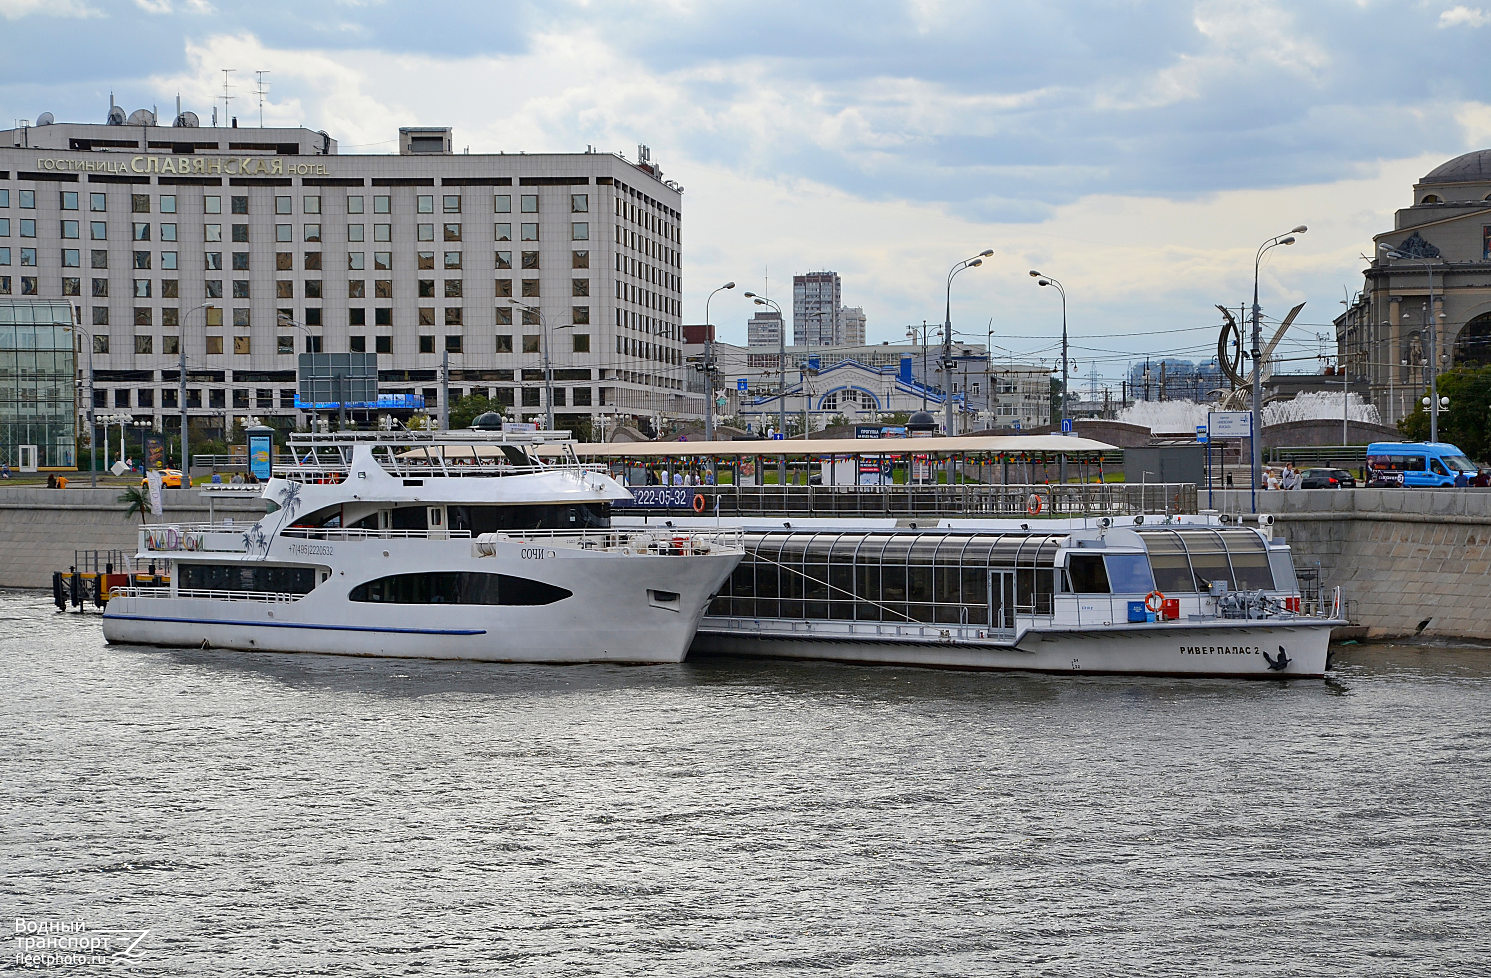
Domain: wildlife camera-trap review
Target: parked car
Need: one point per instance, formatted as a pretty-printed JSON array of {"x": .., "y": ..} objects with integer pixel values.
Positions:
[
  {"x": 1327, "y": 479},
  {"x": 169, "y": 479}
]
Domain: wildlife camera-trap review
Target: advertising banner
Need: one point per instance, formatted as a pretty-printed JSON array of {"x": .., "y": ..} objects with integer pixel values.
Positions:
[{"x": 261, "y": 455}]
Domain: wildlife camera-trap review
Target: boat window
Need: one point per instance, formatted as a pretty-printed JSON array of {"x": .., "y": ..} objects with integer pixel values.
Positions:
[
  {"x": 1087, "y": 573},
  {"x": 410, "y": 518},
  {"x": 457, "y": 587},
  {"x": 894, "y": 577},
  {"x": 1191, "y": 559},
  {"x": 496, "y": 519},
  {"x": 247, "y": 578},
  {"x": 329, "y": 517},
  {"x": 1168, "y": 561},
  {"x": 1281, "y": 571},
  {"x": 1129, "y": 573}
]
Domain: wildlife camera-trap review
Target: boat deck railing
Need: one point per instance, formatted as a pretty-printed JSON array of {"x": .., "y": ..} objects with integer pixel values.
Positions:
[
  {"x": 334, "y": 473},
  {"x": 656, "y": 541},
  {"x": 260, "y": 597},
  {"x": 965, "y": 499},
  {"x": 360, "y": 533}
]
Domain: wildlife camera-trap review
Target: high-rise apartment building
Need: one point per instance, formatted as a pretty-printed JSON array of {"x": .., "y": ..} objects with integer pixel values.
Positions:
[
  {"x": 764, "y": 329},
  {"x": 816, "y": 309},
  {"x": 245, "y": 246},
  {"x": 853, "y": 318}
]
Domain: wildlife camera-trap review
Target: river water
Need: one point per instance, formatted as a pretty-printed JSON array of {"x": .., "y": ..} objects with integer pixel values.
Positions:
[{"x": 268, "y": 814}]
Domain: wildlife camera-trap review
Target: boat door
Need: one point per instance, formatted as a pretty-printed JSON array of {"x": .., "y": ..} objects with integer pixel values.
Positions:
[
  {"x": 1002, "y": 604},
  {"x": 435, "y": 521}
]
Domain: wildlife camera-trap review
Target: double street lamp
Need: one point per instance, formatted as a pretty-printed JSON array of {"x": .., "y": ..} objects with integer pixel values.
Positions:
[
  {"x": 947, "y": 336},
  {"x": 781, "y": 358},
  {"x": 709, "y": 365},
  {"x": 1256, "y": 440},
  {"x": 1043, "y": 279},
  {"x": 186, "y": 456},
  {"x": 543, "y": 324}
]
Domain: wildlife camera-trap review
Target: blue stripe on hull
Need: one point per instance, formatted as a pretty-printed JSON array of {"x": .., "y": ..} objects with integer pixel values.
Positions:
[{"x": 291, "y": 624}]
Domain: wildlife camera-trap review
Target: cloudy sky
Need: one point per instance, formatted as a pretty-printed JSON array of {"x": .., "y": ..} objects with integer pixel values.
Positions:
[{"x": 1138, "y": 151}]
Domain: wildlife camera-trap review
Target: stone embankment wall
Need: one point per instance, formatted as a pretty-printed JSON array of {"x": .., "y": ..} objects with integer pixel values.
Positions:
[
  {"x": 1411, "y": 561},
  {"x": 1406, "y": 558},
  {"x": 40, "y": 529}
]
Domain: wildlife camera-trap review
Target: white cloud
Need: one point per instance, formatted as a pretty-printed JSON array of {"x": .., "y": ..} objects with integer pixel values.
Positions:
[
  {"x": 154, "y": 6},
  {"x": 16, "y": 9},
  {"x": 1464, "y": 17},
  {"x": 736, "y": 128}
]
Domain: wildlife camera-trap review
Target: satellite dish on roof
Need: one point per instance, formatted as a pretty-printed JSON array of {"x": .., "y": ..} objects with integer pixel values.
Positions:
[
  {"x": 116, "y": 116},
  {"x": 45, "y": 119},
  {"x": 142, "y": 117},
  {"x": 187, "y": 120}
]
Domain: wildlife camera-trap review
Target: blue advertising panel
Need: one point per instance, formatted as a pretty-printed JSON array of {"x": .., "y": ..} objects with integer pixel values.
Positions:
[{"x": 261, "y": 454}]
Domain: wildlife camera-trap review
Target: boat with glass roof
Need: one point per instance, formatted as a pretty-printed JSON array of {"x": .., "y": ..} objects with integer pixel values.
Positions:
[
  {"x": 450, "y": 545},
  {"x": 1199, "y": 595}
]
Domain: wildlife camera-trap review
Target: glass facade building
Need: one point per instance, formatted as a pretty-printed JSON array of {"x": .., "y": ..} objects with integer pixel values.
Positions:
[{"x": 37, "y": 395}]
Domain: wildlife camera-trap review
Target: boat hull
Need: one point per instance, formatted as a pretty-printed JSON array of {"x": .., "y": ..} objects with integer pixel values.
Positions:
[
  {"x": 1221, "y": 649},
  {"x": 613, "y": 615}
]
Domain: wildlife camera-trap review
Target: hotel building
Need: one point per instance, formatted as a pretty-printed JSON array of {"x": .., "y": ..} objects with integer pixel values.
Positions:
[{"x": 243, "y": 247}]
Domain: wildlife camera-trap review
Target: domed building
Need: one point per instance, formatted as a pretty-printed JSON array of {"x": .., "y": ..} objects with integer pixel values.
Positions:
[{"x": 1391, "y": 337}]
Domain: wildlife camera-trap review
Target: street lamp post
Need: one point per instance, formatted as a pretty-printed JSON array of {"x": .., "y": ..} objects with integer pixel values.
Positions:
[
  {"x": 543, "y": 325},
  {"x": 781, "y": 378},
  {"x": 186, "y": 458},
  {"x": 709, "y": 365},
  {"x": 1043, "y": 279},
  {"x": 92, "y": 418},
  {"x": 947, "y": 337},
  {"x": 1430, "y": 326},
  {"x": 1257, "y": 353}
]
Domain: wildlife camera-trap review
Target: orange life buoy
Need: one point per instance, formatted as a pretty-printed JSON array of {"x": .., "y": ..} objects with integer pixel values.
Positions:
[
  {"x": 1154, "y": 602},
  {"x": 1033, "y": 505},
  {"x": 698, "y": 502}
]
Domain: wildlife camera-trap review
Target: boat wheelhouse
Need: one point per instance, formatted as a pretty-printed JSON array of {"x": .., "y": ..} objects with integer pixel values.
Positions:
[{"x": 452, "y": 545}]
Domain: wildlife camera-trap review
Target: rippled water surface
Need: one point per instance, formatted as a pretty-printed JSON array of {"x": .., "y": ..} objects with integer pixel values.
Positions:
[{"x": 272, "y": 814}]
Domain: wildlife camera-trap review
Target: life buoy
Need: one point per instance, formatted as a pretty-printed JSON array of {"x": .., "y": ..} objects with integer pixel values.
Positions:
[
  {"x": 1033, "y": 504},
  {"x": 1154, "y": 602},
  {"x": 698, "y": 502}
]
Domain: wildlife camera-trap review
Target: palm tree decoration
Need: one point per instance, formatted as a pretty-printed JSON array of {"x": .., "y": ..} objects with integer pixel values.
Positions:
[{"x": 136, "y": 499}]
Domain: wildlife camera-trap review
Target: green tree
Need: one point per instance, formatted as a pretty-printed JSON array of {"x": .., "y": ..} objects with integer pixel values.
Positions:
[
  {"x": 463, "y": 410},
  {"x": 136, "y": 499}
]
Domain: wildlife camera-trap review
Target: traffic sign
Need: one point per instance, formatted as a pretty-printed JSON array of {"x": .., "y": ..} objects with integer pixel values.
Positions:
[
  {"x": 1066, "y": 426},
  {"x": 1201, "y": 433},
  {"x": 778, "y": 436},
  {"x": 741, "y": 384}
]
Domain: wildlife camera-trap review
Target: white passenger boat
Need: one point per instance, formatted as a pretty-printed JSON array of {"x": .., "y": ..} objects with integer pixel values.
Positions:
[
  {"x": 1168, "y": 595},
  {"x": 460, "y": 545}
]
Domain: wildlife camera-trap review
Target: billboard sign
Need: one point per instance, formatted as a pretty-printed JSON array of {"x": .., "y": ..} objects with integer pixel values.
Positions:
[{"x": 332, "y": 381}]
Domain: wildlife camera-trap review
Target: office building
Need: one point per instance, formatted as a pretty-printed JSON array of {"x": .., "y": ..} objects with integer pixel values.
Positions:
[{"x": 240, "y": 247}]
